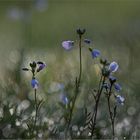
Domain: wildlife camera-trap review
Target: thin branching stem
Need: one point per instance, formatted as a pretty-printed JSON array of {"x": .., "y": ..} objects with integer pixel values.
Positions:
[
  {"x": 77, "y": 84},
  {"x": 111, "y": 114},
  {"x": 101, "y": 83}
]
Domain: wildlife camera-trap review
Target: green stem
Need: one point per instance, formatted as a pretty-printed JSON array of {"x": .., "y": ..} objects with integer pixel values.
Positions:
[
  {"x": 77, "y": 83},
  {"x": 110, "y": 112},
  {"x": 96, "y": 104},
  {"x": 80, "y": 57},
  {"x": 36, "y": 108}
]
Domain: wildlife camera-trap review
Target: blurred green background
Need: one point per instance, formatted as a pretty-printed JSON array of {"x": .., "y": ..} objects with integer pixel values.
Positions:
[{"x": 34, "y": 30}]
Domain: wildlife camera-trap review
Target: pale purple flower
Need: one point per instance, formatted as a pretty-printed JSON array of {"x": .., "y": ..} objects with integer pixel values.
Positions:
[
  {"x": 67, "y": 45},
  {"x": 95, "y": 53},
  {"x": 64, "y": 99},
  {"x": 120, "y": 99},
  {"x": 113, "y": 67},
  {"x": 117, "y": 87},
  {"x": 41, "y": 66},
  {"x": 34, "y": 84}
]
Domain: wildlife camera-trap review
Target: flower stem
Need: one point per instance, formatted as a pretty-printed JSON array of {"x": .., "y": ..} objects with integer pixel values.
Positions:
[
  {"x": 94, "y": 116},
  {"x": 80, "y": 58},
  {"x": 36, "y": 108},
  {"x": 77, "y": 84},
  {"x": 112, "y": 117}
]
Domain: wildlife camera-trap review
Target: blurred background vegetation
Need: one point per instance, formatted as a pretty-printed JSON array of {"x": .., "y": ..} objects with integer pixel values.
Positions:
[{"x": 34, "y": 29}]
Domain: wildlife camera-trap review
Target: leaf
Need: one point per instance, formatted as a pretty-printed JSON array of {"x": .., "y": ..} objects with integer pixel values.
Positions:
[
  {"x": 88, "y": 120},
  {"x": 40, "y": 103}
]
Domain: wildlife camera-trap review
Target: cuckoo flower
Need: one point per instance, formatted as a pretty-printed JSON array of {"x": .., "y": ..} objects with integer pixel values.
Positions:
[
  {"x": 94, "y": 52},
  {"x": 64, "y": 99},
  {"x": 41, "y": 66},
  {"x": 68, "y": 45},
  {"x": 113, "y": 67},
  {"x": 120, "y": 100},
  {"x": 34, "y": 83},
  {"x": 117, "y": 87},
  {"x": 34, "y": 68}
]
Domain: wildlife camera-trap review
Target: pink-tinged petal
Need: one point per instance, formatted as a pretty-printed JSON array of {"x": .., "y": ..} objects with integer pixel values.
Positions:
[{"x": 67, "y": 45}]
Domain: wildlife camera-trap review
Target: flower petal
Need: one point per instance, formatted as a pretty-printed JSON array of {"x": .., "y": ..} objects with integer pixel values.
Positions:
[
  {"x": 34, "y": 84},
  {"x": 120, "y": 99},
  {"x": 117, "y": 87},
  {"x": 41, "y": 66},
  {"x": 67, "y": 45},
  {"x": 64, "y": 99},
  {"x": 113, "y": 67},
  {"x": 95, "y": 53}
]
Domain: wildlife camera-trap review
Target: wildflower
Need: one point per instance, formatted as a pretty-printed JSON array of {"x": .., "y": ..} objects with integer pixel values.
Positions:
[
  {"x": 64, "y": 99},
  {"x": 112, "y": 79},
  {"x": 87, "y": 41},
  {"x": 113, "y": 67},
  {"x": 117, "y": 87},
  {"x": 34, "y": 83},
  {"x": 120, "y": 99},
  {"x": 41, "y": 66},
  {"x": 67, "y": 45},
  {"x": 95, "y": 53}
]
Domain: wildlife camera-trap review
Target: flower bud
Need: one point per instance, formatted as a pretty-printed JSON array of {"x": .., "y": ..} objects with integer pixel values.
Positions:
[
  {"x": 81, "y": 31},
  {"x": 87, "y": 41}
]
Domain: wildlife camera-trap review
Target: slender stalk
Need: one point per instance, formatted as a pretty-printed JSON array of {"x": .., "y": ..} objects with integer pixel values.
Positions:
[
  {"x": 77, "y": 84},
  {"x": 96, "y": 104},
  {"x": 80, "y": 58},
  {"x": 110, "y": 112},
  {"x": 36, "y": 110}
]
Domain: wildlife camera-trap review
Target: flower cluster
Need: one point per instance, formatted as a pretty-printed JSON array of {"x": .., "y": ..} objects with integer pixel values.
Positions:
[
  {"x": 69, "y": 44},
  {"x": 35, "y": 67},
  {"x": 108, "y": 83},
  {"x": 108, "y": 87},
  {"x": 108, "y": 71}
]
